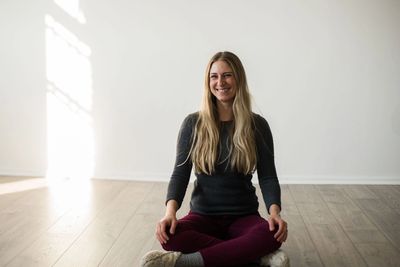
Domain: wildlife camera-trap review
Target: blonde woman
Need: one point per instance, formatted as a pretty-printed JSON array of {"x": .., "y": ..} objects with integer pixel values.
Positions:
[{"x": 225, "y": 142}]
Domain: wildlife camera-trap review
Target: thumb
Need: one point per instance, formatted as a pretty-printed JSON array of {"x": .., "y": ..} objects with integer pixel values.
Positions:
[{"x": 173, "y": 226}]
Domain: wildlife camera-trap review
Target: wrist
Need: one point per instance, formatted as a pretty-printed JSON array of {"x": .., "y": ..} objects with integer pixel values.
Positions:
[
  {"x": 274, "y": 210},
  {"x": 172, "y": 207},
  {"x": 170, "y": 213},
  {"x": 274, "y": 215}
]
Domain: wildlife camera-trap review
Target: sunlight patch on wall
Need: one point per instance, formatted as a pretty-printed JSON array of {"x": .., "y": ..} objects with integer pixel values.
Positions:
[
  {"x": 69, "y": 101},
  {"x": 72, "y": 8}
]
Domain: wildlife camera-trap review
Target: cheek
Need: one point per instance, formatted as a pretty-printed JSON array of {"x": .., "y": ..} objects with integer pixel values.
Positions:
[
  {"x": 234, "y": 85},
  {"x": 212, "y": 85}
]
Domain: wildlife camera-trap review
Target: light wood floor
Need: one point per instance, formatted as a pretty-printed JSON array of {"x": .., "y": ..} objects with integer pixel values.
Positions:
[{"x": 111, "y": 223}]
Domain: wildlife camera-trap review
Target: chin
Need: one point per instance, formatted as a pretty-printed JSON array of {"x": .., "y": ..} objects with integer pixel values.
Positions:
[{"x": 226, "y": 100}]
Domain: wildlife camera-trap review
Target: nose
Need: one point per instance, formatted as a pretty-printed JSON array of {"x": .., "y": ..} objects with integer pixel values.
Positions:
[{"x": 221, "y": 80}]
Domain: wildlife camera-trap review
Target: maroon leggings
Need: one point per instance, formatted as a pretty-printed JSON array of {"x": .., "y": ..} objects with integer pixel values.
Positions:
[{"x": 227, "y": 240}]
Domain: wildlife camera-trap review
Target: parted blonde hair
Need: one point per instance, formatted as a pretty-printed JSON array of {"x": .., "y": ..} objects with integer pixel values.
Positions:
[{"x": 206, "y": 135}]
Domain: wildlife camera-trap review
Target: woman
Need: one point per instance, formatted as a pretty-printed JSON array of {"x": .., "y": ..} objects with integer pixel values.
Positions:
[{"x": 226, "y": 143}]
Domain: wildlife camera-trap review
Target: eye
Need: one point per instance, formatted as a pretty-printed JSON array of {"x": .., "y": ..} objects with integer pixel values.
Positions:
[
  {"x": 226, "y": 75},
  {"x": 213, "y": 77}
]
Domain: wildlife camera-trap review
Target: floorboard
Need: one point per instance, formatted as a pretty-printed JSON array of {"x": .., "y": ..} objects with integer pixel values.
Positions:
[{"x": 112, "y": 223}]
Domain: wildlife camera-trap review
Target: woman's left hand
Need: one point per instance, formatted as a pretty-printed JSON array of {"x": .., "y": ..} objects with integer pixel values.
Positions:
[{"x": 282, "y": 233}]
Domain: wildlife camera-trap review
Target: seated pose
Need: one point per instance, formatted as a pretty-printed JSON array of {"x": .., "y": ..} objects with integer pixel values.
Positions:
[{"x": 226, "y": 143}]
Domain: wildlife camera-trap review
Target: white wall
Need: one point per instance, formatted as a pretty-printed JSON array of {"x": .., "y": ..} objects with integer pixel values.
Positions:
[{"x": 326, "y": 75}]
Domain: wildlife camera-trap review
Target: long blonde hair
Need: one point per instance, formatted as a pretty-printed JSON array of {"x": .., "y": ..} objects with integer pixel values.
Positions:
[{"x": 206, "y": 135}]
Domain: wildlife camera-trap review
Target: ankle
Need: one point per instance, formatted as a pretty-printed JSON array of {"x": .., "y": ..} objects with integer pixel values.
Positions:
[{"x": 190, "y": 260}]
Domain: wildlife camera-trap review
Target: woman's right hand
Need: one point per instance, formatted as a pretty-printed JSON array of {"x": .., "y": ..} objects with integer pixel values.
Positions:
[{"x": 168, "y": 222}]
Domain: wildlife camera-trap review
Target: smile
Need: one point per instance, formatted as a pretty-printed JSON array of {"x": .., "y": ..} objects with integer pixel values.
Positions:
[{"x": 223, "y": 90}]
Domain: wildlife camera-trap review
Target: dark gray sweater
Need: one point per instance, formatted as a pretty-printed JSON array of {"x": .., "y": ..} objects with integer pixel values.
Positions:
[{"x": 225, "y": 192}]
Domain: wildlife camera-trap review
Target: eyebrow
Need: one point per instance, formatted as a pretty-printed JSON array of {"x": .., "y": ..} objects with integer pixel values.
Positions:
[{"x": 228, "y": 72}]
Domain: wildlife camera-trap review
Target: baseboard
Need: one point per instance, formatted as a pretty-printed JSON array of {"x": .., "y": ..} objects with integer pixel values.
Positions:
[
  {"x": 139, "y": 176},
  {"x": 340, "y": 180},
  {"x": 289, "y": 179},
  {"x": 13, "y": 173},
  {"x": 283, "y": 179}
]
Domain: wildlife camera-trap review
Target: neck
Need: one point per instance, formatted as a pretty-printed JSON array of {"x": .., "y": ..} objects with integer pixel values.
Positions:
[{"x": 225, "y": 111}]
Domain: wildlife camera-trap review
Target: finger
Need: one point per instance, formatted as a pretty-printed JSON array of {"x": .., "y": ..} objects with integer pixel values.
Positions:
[
  {"x": 281, "y": 230},
  {"x": 285, "y": 237},
  {"x": 279, "y": 237},
  {"x": 164, "y": 232},
  {"x": 158, "y": 234},
  {"x": 173, "y": 227},
  {"x": 282, "y": 238},
  {"x": 271, "y": 224}
]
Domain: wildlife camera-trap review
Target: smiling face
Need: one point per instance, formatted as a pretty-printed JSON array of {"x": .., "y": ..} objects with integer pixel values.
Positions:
[{"x": 222, "y": 82}]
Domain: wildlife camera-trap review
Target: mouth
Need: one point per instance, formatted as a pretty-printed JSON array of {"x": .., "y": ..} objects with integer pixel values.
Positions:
[{"x": 223, "y": 90}]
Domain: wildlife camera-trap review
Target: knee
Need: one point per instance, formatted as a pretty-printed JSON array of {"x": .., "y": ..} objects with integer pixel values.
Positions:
[
  {"x": 271, "y": 242},
  {"x": 175, "y": 242},
  {"x": 171, "y": 244},
  {"x": 275, "y": 244},
  {"x": 168, "y": 247},
  {"x": 180, "y": 239}
]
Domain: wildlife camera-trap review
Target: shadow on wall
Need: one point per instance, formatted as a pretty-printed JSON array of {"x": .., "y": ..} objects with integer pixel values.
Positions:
[{"x": 70, "y": 137}]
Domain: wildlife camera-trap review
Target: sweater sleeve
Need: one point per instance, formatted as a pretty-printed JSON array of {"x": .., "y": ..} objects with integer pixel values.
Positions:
[
  {"x": 183, "y": 164},
  {"x": 266, "y": 170}
]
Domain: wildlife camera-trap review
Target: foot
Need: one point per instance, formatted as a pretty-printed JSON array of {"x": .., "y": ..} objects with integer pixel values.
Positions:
[
  {"x": 275, "y": 259},
  {"x": 157, "y": 258}
]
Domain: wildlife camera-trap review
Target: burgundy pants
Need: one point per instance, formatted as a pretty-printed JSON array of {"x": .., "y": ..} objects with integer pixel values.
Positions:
[{"x": 227, "y": 240}]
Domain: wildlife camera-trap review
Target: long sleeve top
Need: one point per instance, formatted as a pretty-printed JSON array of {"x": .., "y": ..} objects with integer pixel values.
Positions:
[{"x": 225, "y": 192}]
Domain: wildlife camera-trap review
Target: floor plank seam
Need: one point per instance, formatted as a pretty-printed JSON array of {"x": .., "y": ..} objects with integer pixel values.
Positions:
[
  {"x": 87, "y": 226},
  {"x": 385, "y": 201},
  {"x": 341, "y": 227},
  {"x": 127, "y": 223},
  {"x": 37, "y": 236},
  {"x": 305, "y": 225},
  {"x": 375, "y": 223}
]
